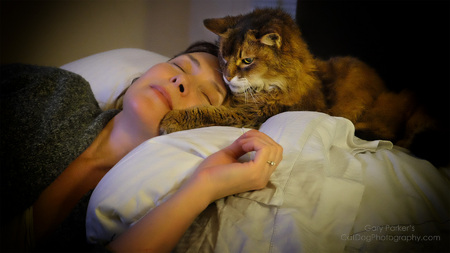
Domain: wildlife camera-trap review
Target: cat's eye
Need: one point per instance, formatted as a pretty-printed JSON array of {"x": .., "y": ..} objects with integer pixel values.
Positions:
[{"x": 247, "y": 61}]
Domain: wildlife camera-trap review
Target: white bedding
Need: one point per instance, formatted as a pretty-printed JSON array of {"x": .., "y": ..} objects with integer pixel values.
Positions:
[{"x": 331, "y": 193}]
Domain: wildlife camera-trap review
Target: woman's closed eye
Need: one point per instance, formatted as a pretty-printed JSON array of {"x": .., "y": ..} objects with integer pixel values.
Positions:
[
  {"x": 178, "y": 66},
  {"x": 207, "y": 97}
]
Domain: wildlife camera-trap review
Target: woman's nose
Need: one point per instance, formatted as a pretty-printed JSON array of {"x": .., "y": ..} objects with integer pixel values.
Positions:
[{"x": 181, "y": 84}]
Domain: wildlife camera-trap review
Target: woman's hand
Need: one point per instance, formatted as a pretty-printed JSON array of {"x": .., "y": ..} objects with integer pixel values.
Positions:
[
  {"x": 218, "y": 176},
  {"x": 226, "y": 176}
]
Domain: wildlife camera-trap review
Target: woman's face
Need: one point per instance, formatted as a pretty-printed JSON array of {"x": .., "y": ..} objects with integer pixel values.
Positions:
[{"x": 186, "y": 81}]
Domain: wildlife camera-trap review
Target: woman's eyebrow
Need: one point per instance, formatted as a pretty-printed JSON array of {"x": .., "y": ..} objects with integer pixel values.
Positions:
[{"x": 194, "y": 60}]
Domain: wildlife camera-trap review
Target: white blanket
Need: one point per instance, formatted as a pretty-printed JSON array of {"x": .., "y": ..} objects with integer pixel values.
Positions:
[{"x": 332, "y": 192}]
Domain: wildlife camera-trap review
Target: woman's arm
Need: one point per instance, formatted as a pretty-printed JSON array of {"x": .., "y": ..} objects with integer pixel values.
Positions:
[
  {"x": 218, "y": 176},
  {"x": 162, "y": 228},
  {"x": 57, "y": 201}
]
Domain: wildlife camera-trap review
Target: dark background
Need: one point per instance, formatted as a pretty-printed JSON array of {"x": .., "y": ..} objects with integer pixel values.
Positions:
[{"x": 407, "y": 42}]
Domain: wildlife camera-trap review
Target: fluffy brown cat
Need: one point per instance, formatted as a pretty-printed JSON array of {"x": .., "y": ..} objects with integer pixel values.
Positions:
[{"x": 269, "y": 70}]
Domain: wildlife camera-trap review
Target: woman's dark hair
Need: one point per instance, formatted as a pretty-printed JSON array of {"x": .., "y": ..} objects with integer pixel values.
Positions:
[
  {"x": 201, "y": 47},
  {"x": 196, "y": 47}
]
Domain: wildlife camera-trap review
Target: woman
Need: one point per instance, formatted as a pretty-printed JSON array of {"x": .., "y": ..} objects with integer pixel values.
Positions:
[{"x": 89, "y": 146}]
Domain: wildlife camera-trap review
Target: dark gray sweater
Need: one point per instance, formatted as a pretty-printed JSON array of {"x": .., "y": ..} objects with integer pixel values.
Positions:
[{"x": 49, "y": 116}]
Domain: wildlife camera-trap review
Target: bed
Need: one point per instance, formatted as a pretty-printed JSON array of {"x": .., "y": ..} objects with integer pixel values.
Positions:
[{"x": 333, "y": 192}]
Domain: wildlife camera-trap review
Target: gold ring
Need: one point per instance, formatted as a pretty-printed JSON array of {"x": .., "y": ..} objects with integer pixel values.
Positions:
[{"x": 271, "y": 163}]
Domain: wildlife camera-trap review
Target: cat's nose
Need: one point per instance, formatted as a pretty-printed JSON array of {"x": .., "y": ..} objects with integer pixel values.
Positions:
[{"x": 227, "y": 78}]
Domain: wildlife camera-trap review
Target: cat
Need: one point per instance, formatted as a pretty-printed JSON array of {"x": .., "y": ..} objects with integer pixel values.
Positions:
[{"x": 269, "y": 69}]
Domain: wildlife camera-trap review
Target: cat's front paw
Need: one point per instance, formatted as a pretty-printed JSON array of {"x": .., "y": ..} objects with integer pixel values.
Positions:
[{"x": 171, "y": 123}]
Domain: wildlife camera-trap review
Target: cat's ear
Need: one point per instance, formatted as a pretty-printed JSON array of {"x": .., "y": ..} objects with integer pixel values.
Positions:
[
  {"x": 220, "y": 26},
  {"x": 271, "y": 39}
]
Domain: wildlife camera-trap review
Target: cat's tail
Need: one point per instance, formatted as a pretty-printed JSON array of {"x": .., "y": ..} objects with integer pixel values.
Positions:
[
  {"x": 400, "y": 117},
  {"x": 427, "y": 137}
]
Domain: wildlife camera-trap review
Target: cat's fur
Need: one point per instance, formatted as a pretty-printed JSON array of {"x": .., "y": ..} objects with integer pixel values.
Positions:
[{"x": 284, "y": 76}]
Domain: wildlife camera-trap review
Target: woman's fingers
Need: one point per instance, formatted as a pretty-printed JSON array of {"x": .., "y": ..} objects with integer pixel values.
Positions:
[
  {"x": 227, "y": 176},
  {"x": 268, "y": 152},
  {"x": 241, "y": 144}
]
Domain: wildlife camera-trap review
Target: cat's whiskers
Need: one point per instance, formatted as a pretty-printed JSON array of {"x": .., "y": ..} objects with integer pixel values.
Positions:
[
  {"x": 249, "y": 89},
  {"x": 254, "y": 96},
  {"x": 246, "y": 94}
]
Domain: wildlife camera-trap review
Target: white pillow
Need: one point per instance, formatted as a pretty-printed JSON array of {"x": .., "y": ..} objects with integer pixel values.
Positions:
[
  {"x": 110, "y": 72},
  {"x": 147, "y": 175}
]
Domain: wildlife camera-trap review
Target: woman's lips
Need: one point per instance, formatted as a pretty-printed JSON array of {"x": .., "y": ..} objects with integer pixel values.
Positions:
[{"x": 163, "y": 95}]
